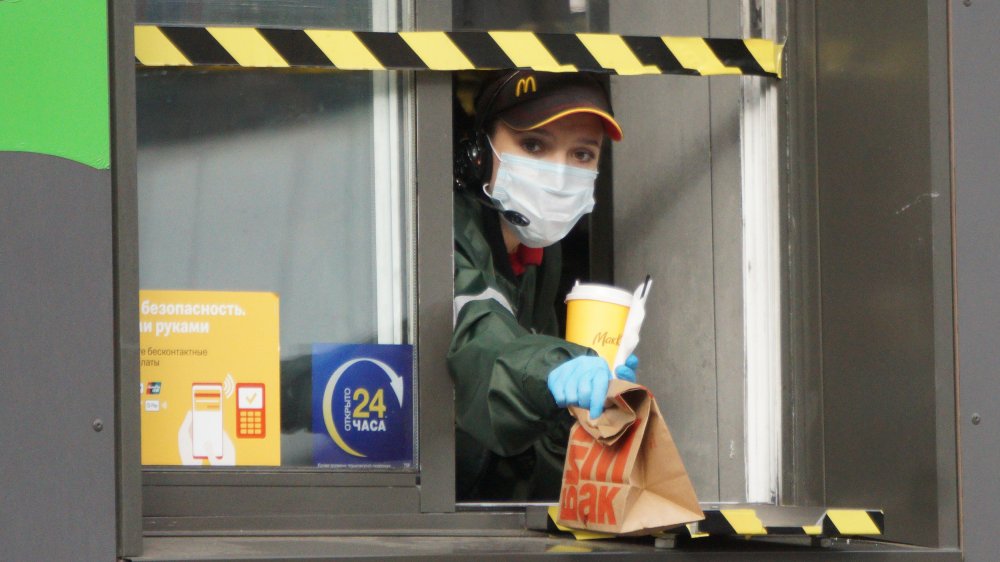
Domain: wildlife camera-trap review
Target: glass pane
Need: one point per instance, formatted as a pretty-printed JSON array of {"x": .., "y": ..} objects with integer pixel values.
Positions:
[
  {"x": 342, "y": 14},
  {"x": 552, "y": 16},
  {"x": 252, "y": 181},
  {"x": 274, "y": 245}
]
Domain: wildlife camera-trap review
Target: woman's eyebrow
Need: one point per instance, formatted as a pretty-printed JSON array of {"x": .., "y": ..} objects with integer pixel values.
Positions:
[
  {"x": 542, "y": 132},
  {"x": 589, "y": 141}
]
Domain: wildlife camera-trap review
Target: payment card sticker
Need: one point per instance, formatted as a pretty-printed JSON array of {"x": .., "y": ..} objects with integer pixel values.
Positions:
[
  {"x": 362, "y": 411},
  {"x": 209, "y": 378}
]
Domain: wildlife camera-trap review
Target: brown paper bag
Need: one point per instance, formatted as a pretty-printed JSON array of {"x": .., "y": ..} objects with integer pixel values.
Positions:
[{"x": 623, "y": 473}]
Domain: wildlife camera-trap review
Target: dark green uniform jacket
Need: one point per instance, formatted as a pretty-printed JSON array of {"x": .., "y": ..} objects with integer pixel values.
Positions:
[{"x": 510, "y": 435}]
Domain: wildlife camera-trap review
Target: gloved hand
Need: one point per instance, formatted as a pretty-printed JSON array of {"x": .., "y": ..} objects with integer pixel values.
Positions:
[
  {"x": 626, "y": 372},
  {"x": 581, "y": 381}
]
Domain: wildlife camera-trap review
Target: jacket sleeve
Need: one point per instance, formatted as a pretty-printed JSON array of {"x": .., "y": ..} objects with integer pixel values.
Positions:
[{"x": 499, "y": 367}]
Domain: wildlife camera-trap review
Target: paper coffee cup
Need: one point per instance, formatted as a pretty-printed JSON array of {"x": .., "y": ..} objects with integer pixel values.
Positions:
[{"x": 595, "y": 317}]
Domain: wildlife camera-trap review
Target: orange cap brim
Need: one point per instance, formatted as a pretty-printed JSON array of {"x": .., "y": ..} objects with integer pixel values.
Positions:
[{"x": 611, "y": 127}]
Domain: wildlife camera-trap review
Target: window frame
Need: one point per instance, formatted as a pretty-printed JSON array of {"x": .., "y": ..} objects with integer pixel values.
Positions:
[{"x": 299, "y": 498}]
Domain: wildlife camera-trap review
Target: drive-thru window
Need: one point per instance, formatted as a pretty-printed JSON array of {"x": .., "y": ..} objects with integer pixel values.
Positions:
[
  {"x": 276, "y": 211},
  {"x": 283, "y": 220}
]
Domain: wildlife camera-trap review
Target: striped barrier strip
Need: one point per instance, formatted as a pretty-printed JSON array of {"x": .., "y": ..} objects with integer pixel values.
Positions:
[
  {"x": 732, "y": 522},
  {"x": 853, "y": 522},
  {"x": 747, "y": 522},
  {"x": 453, "y": 50}
]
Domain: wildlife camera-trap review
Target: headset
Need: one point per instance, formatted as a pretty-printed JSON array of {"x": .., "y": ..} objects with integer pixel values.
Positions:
[{"x": 473, "y": 161}]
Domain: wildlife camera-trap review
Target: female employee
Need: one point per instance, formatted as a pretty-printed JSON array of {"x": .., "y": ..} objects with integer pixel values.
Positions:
[{"x": 526, "y": 176}]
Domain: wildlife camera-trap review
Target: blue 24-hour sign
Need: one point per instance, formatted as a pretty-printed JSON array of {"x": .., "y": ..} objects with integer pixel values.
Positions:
[{"x": 362, "y": 406}]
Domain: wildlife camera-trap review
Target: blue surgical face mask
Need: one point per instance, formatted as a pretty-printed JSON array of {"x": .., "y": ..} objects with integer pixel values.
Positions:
[{"x": 551, "y": 196}]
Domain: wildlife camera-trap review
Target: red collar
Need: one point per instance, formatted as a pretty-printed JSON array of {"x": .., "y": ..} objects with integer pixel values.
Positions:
[{"x": 524, "y": 256}]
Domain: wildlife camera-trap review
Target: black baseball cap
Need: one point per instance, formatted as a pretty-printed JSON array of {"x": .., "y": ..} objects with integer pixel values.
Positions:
[{"x": 527, "y": 99}]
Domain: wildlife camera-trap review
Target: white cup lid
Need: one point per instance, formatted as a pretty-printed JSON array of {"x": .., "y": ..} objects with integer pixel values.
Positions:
[{"x": 598, "y": 292}]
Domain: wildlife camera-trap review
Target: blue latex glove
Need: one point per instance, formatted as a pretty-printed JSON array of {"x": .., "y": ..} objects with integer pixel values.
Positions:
[
  {"x": 581, "y": 381},
  {"x": 626, "y": 372}
]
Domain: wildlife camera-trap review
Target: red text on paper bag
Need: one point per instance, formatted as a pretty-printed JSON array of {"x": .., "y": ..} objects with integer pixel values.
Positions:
[
  {"x": 595, "y": 462},
  {"x": 623, "y": 473}
]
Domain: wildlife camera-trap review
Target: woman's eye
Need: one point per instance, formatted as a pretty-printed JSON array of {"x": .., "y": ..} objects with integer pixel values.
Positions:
[
  {"x": 584, "y": 156},
  {"x": 531, "y": 146}
]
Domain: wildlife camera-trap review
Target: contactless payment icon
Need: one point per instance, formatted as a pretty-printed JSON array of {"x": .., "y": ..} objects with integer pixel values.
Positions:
[
  {"x": 362, "y": 413},
  {"x": 250, "y": 411}
]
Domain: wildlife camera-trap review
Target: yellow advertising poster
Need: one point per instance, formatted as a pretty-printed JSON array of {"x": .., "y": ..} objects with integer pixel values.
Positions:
[{"x": 209, "y": 371}]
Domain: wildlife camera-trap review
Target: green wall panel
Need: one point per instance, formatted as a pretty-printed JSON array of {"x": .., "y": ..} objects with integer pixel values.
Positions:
[{"x": 54, "y": 97}]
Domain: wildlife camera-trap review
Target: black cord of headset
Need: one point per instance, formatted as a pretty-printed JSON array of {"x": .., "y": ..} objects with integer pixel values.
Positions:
[{"x": 513, "y": 217}]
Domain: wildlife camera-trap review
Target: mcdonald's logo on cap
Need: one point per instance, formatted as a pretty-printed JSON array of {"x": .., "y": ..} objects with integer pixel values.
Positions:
[{"x": 528, "y": 84}]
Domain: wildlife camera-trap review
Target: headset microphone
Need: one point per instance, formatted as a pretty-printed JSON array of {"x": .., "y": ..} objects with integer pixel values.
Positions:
[{"x": 513, "y": 217}]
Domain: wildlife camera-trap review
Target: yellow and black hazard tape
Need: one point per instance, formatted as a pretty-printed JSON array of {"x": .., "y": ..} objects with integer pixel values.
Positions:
[
  {"x": 723, "y": 522},
  {"x": 748, "y": 523},
  {"x": 839, "y": 522},
  {"x": 258, "y": 47}
]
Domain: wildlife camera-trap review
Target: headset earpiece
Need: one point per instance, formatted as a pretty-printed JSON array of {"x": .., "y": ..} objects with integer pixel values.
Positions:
[{"x": 471, "y": 163}]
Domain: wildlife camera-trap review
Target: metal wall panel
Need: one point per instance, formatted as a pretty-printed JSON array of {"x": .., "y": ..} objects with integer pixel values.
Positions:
[
  {"x": 942, "y": 225},
  {"x": 976, "y": 118},
  {"x": 877, "y": 206},
  {"x": 57, "y": 360},
  {"x": 262, "y": 504},
  {"x": 725, "y": 98}
]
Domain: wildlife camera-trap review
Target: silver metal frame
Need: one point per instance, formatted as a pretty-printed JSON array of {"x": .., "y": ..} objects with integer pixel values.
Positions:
[
  {"x": 435, "y": 278},
  {"x": 126, "y": 274},
  {"x": 802, "y": 459}
]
